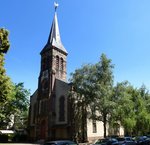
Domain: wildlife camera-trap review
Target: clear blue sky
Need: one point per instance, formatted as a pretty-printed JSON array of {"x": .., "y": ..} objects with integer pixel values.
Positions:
[{"x": 118, "y": 28}]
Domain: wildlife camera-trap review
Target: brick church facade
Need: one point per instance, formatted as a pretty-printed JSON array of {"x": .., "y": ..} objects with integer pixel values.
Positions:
[
  {"x": 49, "y": 118},
  {"x": 50, "y": 113}
]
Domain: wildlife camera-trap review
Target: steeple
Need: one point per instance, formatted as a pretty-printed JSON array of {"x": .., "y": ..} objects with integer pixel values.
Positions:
[
  {"x": 54, "y": 54},
  {"x": 54, "y": 36}
]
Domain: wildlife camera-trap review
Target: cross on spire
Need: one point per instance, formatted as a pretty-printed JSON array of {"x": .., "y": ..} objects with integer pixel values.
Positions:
[
  {"x": 56, "y": 5},
  {"x": 54, "y": 38}
]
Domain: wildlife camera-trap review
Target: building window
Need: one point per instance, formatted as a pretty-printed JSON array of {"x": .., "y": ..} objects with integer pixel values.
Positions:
[
  {"x": 61, "y": 64},
  {"x": 34, "y": 113},
  {"x": 53, "y": 102},
  {"x": 45, "y": 85},
  {"x": 62, "y": 108},
  {"x": 43, "y": 63},
  {"x": 43, "y": 107},
  {"x": 57, "y": 62},
  {"x": 94, "y": 126}
]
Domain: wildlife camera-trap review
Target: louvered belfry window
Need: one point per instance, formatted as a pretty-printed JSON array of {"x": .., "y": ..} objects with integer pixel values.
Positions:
[
  {"x": 57, "y": 62},
  {"x": 61, "y": 64}
]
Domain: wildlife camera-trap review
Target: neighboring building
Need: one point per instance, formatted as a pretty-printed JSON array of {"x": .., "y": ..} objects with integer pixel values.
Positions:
[{"x": 51, "y": 112}]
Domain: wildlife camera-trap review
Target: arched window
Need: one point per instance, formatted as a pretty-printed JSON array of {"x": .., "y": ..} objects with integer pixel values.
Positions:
[
  {"x": 62, "y": 108},
  {"x": 57, "y": 62},
  {"x": 43, "y": 63},
  {"x": 61, "y": 64},
  {"x": 44, "y": 85}
]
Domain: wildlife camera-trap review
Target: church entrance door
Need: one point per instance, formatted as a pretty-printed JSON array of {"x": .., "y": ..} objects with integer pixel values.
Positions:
[{"x": 43, "y": 130}]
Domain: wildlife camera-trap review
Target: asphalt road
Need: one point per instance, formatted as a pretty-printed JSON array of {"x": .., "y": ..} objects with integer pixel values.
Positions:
[{"x": 17, "y": 144}]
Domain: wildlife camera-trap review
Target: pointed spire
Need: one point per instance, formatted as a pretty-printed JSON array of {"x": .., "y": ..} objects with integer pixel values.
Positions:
[{"x": 54, "y": 37}]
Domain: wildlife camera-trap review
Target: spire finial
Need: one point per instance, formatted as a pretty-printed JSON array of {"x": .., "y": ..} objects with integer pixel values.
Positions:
[{"x": 56, "y": 5}]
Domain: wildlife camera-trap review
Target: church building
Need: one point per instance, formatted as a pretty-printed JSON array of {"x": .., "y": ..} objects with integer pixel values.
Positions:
[
  {"x": 48, "y": 105},
  {"x": 50, "y": 113}
]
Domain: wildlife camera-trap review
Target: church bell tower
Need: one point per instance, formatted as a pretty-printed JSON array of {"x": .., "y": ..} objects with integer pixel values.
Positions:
[
  {"x": 53, "y": 70},
  {"x": 53, "y": 59}
]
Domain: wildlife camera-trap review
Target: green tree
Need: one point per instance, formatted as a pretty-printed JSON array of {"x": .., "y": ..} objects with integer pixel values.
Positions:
[
  {"x": 124, "y": 112},
  {"x": 6, "y": 86},
  {"x": 141, "y": 107},
  {"x": 81, "y": 96},
  {"x": 102, "y": 90},
  {"x": 20, "y": 106},
  {"x": 93, "y": 86},
  {"x": 95, "y": 97},
  {"x": 13, "y": 97},
  {"x": 4, "y": 42},
  {"x": 132, "y": 108}
]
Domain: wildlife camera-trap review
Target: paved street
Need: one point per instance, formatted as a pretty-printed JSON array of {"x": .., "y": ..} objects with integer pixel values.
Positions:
[{"x": 17, "y": 144}]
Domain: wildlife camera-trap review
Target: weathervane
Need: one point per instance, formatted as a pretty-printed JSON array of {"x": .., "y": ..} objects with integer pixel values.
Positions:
[{"x": 56, "y": 5}]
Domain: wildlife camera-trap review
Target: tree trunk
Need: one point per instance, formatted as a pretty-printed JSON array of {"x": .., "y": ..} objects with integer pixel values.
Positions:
[
  {"x": 84, "y": 123},
  {"x": 104, "y": 124}
]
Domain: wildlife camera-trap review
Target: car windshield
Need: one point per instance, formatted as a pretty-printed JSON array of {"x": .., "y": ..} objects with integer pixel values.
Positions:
[
  {"x": 142, "y": 138},
  {"x": 61, "y": 143},
  {"x": 101, "y": 141},
  {"x": 49, "y": 144},
  {"x": 120, "y": 139},
  {"x": 113, "y": 140}
]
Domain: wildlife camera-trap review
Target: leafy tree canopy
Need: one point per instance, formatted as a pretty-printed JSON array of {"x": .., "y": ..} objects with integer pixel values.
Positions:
[
  {"x": 20, "y": 105},
  {"x": 93, "y": 85},
  {"x": 119, "y": 106},
  {"x": 4, "y": 42},
  {"x": 14, "y": 99},
  {"x": 6, "y": 86}
]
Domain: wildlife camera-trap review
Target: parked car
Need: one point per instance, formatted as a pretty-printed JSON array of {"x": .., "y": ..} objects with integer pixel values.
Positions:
[
  {"x": 126, "y": 141},
  {"x": 143, "y": 140},
  {"x": 60, "y": 142},
  {"x": 107, "y": 141}
]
